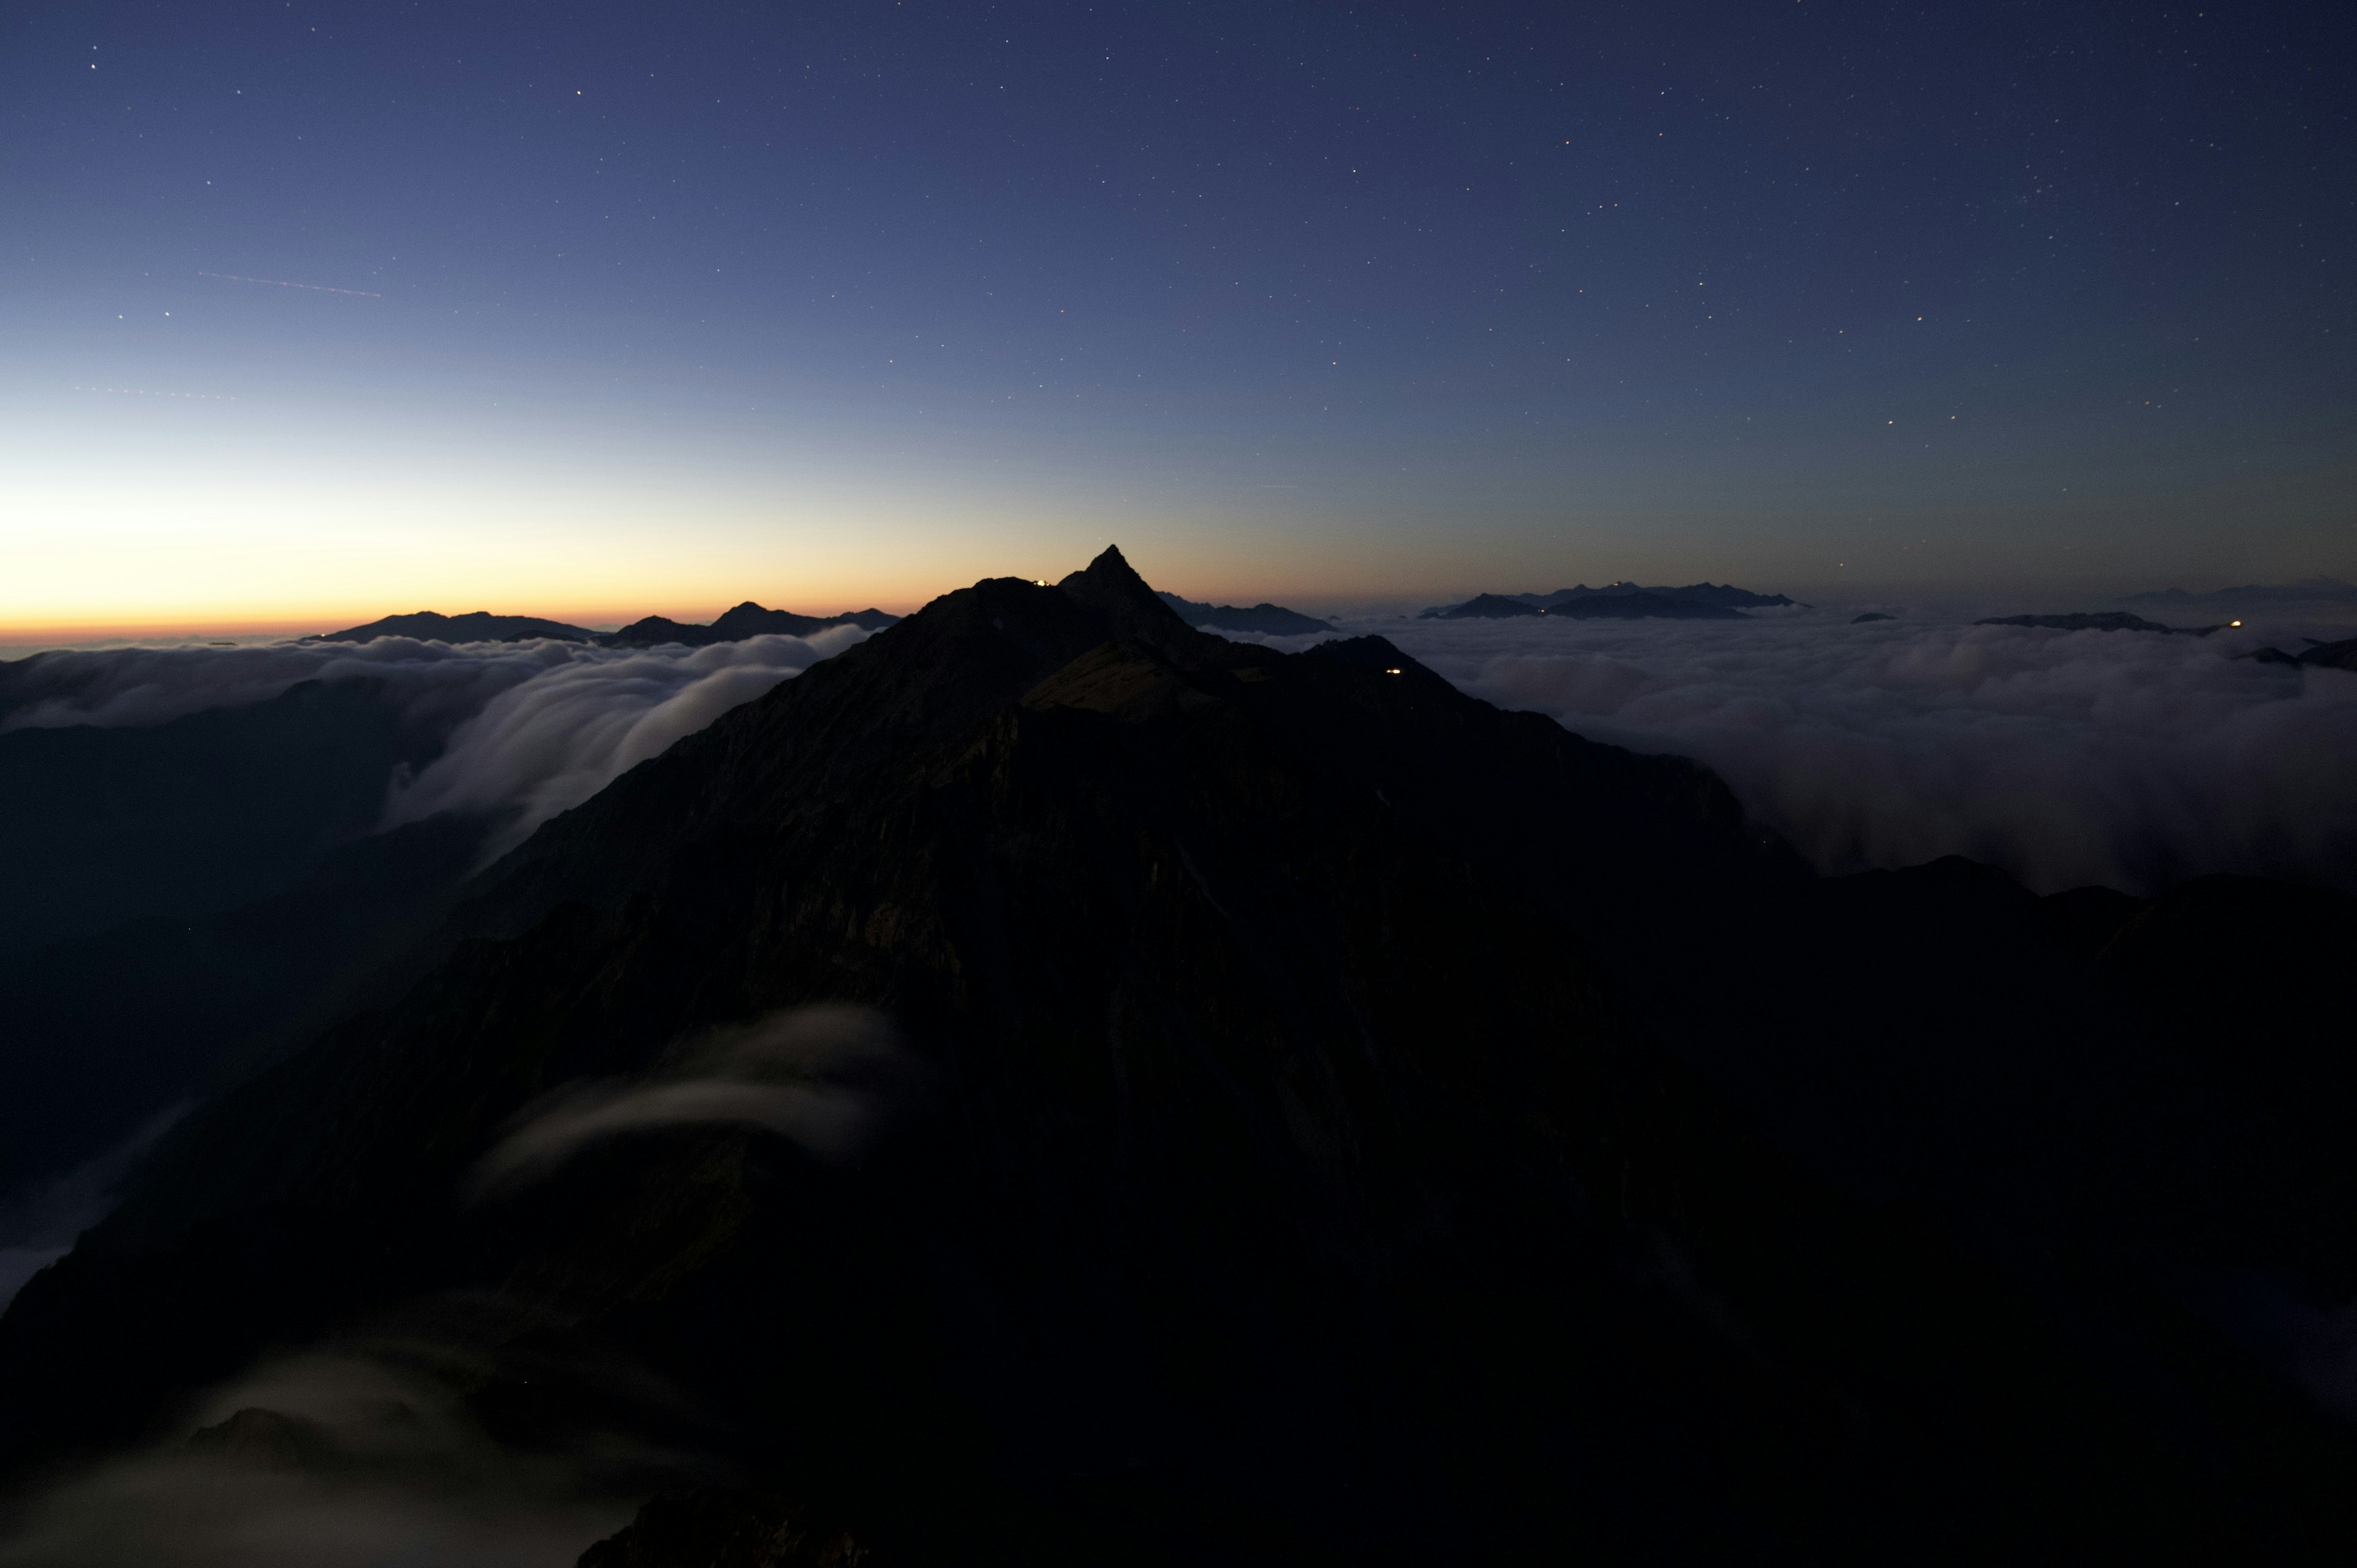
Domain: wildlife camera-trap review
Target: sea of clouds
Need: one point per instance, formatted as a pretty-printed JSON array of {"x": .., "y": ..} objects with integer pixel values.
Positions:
[
  {"x": 549, "y": 743},
  {"x": 526, "y": 729},
  {"x": 2130, "y": 759},
  {"x": 2126, "y": 759}
]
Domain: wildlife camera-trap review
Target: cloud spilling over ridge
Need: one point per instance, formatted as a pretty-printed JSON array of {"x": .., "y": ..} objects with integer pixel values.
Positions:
[
  {"x": 129, "y": 687},
  {"x": 823, "y": 1076},
  {"x": 526, "y": 729},
  {"x": 358, "y": 1453},
  {"x": 545, "y": 744},
  {"x": 366, "y": 1449},
  {"x": 2068, "y": 759}
]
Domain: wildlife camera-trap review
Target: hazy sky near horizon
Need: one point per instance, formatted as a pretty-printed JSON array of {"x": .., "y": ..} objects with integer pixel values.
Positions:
[{"x": 331, "y": 310}]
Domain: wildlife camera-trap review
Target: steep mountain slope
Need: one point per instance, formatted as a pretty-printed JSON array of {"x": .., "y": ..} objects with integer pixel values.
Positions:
[
  {"x": 106, "y": 1031},
  {"x": 1278, "y": 1161},
  {"x": 200, "y": 814}
]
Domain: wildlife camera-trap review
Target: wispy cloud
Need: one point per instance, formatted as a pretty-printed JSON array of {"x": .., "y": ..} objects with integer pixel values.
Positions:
[
  {"x": 548, "y": 743},
  {"x": 823, "y": 1076}
]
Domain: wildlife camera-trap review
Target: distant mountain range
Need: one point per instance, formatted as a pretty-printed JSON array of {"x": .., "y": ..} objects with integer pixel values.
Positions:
[
  {"x": 748, "y": 620},
  {"x": 2307, "y": 591},
  {"x": 1724, "y": 594},
  {"x": 475, "y": 625},
  {"x": 2099, "y": 620},
  {"x": 2342, "y": 655},
  {"x": 1273, "y": 620},
  {"x": 1482, "y": 607},
  {"x": 1614, "y": 601}
]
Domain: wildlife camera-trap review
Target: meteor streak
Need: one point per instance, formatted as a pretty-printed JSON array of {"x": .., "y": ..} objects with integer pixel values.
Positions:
[
  {"x": 143, "y": 391},
  {"x": 281, "y": 283}
]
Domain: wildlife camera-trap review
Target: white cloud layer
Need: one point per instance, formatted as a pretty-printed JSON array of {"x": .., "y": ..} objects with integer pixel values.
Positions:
[
  {"x": 352, "y": 1454},
  {"x": 2126, "y": 759},
  {"x": 549, "y": 742},
  {"x": 532, "y": 728},
  {"x": 2130, "y": 759},
  {"x": 128, "y": 687}
]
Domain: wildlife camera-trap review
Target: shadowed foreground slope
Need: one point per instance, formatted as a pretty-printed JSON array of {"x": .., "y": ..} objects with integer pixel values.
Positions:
[{"x": 1276, "y": 1160}]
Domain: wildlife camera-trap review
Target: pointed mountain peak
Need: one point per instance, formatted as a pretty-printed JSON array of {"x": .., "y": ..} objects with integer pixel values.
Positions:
[
  {"x": 1112, "y": 588},
  {"x": 1110, "y": 568}
]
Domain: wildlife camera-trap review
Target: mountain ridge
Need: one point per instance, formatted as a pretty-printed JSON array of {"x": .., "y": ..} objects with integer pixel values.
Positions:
[
  {"x": 475, "y": 625},
  {"x": 1273, "y": 620},
  {"x": 1293, "y": 1145},
  {"x": 748, "y": 620}
]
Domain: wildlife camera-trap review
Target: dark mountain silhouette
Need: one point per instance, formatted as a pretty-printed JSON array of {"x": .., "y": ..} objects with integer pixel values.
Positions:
[
  {"x": 1870, "y": 615},
  {"x": 1333, "y": 1120},
  {"x": 1273, "y": 620},
  {"x": 1618, "y": 602},
  {"x": 475, "y": 625},
  {"x": 1641, "y": 606},
  {"x": 748, "y": 620},
  {"x": 2307, "y": 590},
  {"x": 1480, "y": 607},
  {"x": 1726, "y": 596},
  {"x": 200, "y": 814},
  {"x": 2340, "y": 655},
  {"x": 2098, "y": 620}
]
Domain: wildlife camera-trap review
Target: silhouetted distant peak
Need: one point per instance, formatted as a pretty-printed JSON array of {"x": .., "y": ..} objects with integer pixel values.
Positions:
[
  {"x": 1726, "y": 596},
  {"x": 1482, "y": 607},
  {"x": 475, "y": 625},
  {"x": 737, "y": 623},
  {"x": 1273, "y": 620},
  {"x": 2097, "y": 621},
  {"x": 1870, "y": 615},
  {"x": 2324, "y": 655},
  {"x": 2307, "y": 590},
  {"x": 1642, "y": 605},
  {"x": 1614, "y": 601}
]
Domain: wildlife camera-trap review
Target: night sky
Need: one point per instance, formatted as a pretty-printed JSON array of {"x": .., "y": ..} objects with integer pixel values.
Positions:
[{"x": 599, "y": 312}]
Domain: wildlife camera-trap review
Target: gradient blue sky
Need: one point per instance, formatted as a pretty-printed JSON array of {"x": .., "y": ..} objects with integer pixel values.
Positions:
[{"x": 655, "y": 308}]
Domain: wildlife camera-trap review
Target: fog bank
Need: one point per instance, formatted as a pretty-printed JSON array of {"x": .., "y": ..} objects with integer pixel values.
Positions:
[
  {"x": 548, "y": 743},
  {"x": 2126, "y": 759},
  {"x": 524, "y": 730}
]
